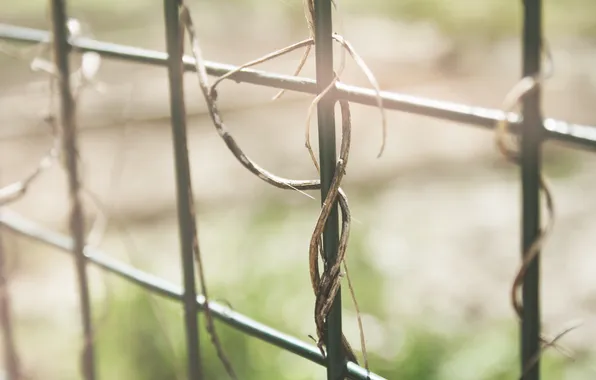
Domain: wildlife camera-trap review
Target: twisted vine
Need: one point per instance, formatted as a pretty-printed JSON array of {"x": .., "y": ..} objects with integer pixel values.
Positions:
[
  {"x": 510, "y": 149},
  {"x": 325, "y": 285}
]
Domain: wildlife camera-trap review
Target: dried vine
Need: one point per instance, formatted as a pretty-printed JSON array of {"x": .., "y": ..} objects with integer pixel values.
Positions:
[
  {"x": 325, "y": 285},
  {"x": 81, "y": 78},
  {"x": 510, "y": 149}
]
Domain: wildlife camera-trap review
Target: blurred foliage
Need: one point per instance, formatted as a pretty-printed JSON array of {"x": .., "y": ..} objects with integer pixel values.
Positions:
[
  {"x": 560, "y": 162},
  {"x": 461, "y": 19},
  {"x": 143, "y": 338},
  {"x": 143, "y": 335},
  {"x": 485, "y": 19}
]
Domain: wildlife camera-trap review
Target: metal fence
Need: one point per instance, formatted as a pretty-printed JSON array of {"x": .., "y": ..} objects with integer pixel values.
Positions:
[{"x": 534, "y": 130}]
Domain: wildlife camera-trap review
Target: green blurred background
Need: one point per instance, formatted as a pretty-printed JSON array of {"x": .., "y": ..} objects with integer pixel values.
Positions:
[{"x": 435, "y": 243}]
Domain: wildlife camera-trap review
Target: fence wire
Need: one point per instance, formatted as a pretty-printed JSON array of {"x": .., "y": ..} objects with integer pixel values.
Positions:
[{"x": 530, "y": 127}]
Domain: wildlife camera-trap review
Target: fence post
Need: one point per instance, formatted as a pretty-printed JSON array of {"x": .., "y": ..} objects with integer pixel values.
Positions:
[
  {"x": 531, "y": 136},
  {"x": 184, "y": 195},
  {"x": 69, "y": 143},
  {"x": 11, "y": 358},
  {"x": 327, "y": 153}
]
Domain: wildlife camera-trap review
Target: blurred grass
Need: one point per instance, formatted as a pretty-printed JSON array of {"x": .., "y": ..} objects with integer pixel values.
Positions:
[
  {"x": 143, "y": 337},
  {"x": 488, "y": 18},
  {"x": 140, "y": 336},
  {"x": 137, "y": 343},
  {"x": 461, "y": 19}
]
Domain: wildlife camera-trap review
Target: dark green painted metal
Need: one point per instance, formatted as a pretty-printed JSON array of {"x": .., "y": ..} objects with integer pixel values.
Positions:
[
  {"x": 533, "y": 131},
  {"x": 158, "y": 286},
  {"x": 531, "y": 141},
  {"x": 581, "y": 136},
  {"x": 184, "y": 196},
  {"x": 70, "y": 149},
  {"x": 327, "y": 153}
]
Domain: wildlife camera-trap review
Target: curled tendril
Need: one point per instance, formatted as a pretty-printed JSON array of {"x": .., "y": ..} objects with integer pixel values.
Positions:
[
  {"x": 509, "y": 147},
  {"x": 325, "y": 285}
]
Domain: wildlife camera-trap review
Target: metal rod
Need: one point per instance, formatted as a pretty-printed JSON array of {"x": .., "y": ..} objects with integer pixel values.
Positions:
[
  {"x": 158, "y": 286},
  {"x": 583, "y": 136},
  {"x": 532, "y": 134},
  {"x": 184, "y": 195},
  {"x": 327, "y": 153},
  {"x": 71, "y": 154},
  {"x": 11, "y": 357}
]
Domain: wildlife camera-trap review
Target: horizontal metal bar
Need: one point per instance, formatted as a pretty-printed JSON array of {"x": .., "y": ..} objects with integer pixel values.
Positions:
[
  {"x": 156, "y": 285},
  {"x": 584, "y": 136}
]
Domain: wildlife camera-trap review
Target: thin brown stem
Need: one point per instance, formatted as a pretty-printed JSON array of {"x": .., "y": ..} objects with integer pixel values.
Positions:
[
  {"x": 11, "y": 356},
  {"x": 186, "y": 21}
]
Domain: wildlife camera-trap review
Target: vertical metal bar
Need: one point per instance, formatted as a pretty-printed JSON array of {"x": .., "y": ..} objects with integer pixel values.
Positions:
[
  {"x": 532, "y": 134},
  {"x": 327, "y": 154},
  {"x": 184, "y": 195},
  {"x": 70, "y": 149},
  {"x": 11, "y": 358}
]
